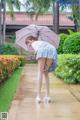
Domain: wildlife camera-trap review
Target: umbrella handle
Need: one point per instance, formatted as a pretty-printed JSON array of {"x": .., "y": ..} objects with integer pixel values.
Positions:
[{"x": 38, "y": 33}]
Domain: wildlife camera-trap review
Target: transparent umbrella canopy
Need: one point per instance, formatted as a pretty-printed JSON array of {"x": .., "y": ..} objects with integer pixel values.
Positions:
[{"x": 42, "y": 32}]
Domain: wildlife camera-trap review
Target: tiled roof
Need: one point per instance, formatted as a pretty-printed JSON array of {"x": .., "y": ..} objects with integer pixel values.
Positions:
[{"x": 47, "y": 19}]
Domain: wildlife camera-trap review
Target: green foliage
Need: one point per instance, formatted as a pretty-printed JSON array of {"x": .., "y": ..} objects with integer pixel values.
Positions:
[
  {"x": 76, "y": 12},
  {"x": 8, "y": 49},
  {"x": 13, "y": 4},
  {"x": 72, "y": 44},
  {"x": 22, "y": 60},
  {"x": 69, "y": 68},
  {"x": 37, "y": 6},
  {"x": 70, "y": 31},
  {"x": 62, "y": 39},
  {"x": 13, "y": 38}
]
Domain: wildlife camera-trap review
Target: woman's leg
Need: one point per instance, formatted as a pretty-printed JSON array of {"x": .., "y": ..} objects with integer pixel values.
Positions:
[
  {"x": 47, "y": 83},
  {"x": 46, "y": 76},
  {"x": 41, "y": 64}
]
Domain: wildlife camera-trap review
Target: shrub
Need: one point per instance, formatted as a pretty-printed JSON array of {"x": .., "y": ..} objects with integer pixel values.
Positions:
[
  {"x": 13, "y": 38},
  {"x": 22, "y": 60},
  {"x": 8, "y": 49},
  {"x": 72, "y": 44},
  {"x": 70, "y": 32},
  {"x": 62, "y": 39},
  {"x": 69, "y": 68},
  {"x": 8, "y": 63}
]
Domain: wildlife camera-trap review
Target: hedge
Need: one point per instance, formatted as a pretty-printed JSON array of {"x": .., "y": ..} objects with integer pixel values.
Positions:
[
  {"x": 69, "y": 68},
  {"x": 72, "y": 44},
  {"x": 8, "y": 63},
  {"x": 8, "y": 49},
  {"x": 62, "y": 39}
]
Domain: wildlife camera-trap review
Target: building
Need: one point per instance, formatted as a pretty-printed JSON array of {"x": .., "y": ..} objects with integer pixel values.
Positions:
[{"x": 22, "y": 19}]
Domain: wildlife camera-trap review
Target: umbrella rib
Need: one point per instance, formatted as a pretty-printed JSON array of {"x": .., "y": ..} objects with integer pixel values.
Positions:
[
  {"x": 49, "y": 31},
  {"x": 46, "y": 31},
  {"x": 21, "y": 38},
  {"x": 48, "y": 37}
]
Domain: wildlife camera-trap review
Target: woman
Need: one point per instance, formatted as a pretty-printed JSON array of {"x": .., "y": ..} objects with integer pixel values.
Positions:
[{"x": 46, "y": 55}]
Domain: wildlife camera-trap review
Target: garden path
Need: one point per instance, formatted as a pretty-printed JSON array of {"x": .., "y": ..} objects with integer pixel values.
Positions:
[{"x": 64, "y": 106}]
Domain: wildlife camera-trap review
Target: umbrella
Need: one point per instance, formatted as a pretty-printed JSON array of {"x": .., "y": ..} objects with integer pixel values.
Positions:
[{"x": 43, "y": 33}]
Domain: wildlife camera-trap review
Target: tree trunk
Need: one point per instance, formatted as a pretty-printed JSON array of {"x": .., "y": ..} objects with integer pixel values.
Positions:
[
  {"x": 79, "y": 18},
  {"x": 0, "y": 24},
  {"x": 56, "y": 17},
  {"x": 76, "y": 15},
  {"x": 53, "y": 16},
  {"x": 4, "y": 24}
]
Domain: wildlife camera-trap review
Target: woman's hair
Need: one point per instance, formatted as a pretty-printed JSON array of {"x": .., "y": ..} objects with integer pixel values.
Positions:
[{"x": 30, "y": 38}]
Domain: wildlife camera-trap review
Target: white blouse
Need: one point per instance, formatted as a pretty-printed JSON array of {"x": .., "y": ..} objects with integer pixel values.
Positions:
[{"x": 41, "y": 44}]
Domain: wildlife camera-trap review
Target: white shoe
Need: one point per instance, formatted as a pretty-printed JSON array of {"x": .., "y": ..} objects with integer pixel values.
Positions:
[
  {"x": 47, "y": 99},
  {"x": 38, "y": 99}
]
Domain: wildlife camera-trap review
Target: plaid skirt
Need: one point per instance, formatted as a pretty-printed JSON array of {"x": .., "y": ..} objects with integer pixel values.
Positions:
[{"x": 48, "y": 53}]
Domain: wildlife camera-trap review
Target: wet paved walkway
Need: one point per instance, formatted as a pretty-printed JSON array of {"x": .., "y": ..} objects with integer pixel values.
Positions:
[{"x": 65, "y": 105}]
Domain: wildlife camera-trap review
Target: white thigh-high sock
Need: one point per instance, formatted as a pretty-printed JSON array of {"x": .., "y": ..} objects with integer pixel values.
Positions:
[
  {"x": 39, "y": 83},
  {"x": 47, "y": 83}
]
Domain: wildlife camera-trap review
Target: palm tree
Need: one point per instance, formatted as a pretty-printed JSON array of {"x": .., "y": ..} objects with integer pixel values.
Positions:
[
  {"x": 41, "y": 6},
  {"x": 38, "y": 6},
  {"x": 11, "y": 4},
  {"x": 75, "y": 6},
  {"x": 76, "y": 14}
]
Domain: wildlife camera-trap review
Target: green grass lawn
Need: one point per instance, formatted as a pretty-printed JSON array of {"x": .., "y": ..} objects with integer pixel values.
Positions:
[{"x": 8, "y": 90}]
